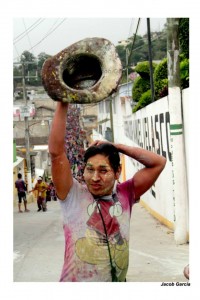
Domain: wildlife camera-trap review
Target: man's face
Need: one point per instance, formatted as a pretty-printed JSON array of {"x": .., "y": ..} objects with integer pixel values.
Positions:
[{"x": 99, "y": 175}]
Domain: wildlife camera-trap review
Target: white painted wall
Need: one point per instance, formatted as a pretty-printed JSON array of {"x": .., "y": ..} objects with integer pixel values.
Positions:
[{"x": 149, "y": 128}]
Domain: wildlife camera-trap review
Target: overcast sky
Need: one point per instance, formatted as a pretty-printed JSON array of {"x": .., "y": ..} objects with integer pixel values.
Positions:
[{"x": 51, "y": 35}]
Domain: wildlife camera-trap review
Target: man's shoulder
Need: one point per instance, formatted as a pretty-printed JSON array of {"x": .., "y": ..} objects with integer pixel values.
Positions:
[
  {"x": 79, "y": 188},
  {"x": 125, "y": 187},
  {"x": 125, "y": 183},
  {"x": 78, "y": 192}
]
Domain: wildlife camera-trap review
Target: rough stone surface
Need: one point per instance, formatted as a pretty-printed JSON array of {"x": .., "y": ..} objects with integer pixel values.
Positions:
[{"x": 85, "y": 72}]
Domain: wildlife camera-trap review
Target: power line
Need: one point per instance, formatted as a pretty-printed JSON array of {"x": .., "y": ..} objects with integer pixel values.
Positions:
[
  {"x": 29, "y": 28},
  {"x": 131, "y": 26},
  {"x": 27, "y": 33},
  {"x": 153, "y": 39},
  {"x": 52, "y": 26},
  {"x": 133, "y": 42},
  {"x": 24, "y": 33},
  {"x": 48, "y": 33},
  {"x": 144, "y": 45}
]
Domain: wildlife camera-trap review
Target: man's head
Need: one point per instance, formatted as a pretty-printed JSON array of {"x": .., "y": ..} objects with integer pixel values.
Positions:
[
  {"x": 108, "y": 150},
  {"x": 19, "y": 176},
  {"x": 39, "y": 179},
  {"x": 102, "y": 168}
]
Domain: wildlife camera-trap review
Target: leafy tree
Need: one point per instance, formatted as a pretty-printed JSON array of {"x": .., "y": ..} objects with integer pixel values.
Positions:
[
  {"x": 30, "y": 67},
  {"x": 159, "y": 45},
  {"x": 140, "y": 52},
  {"x": 41, "y": 59},
  {"x": 184, "y": 36},
  {"x": 16, "y": 81},
  {"x": 27, "y": 57}
]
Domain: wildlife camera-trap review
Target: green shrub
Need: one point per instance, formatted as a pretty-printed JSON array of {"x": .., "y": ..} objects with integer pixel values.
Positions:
[
  {"x": 143, "y": 69},
  {"x": 184, "y": 36},
  {"x": 140, "y": 86},
  {"x": 163, "y": 89},
  {"x": 161, "y": 70},
  {"x": 136, "y": 107},
  {"x": 145, "y": 99},
  {"x": 184, "y": 73},
  {"x": 160, "y": 79}
]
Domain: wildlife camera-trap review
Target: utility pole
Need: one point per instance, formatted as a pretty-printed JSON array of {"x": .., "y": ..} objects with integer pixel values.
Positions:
[
  {"x": 27, "y": 141},
  {"x": 127, "y": 54},
  {"x": 150, "y": 59},
  {"x": 111, "y": 120},
  {"x": 180, "y": 191},
  {"x": 27, "y": 138}
]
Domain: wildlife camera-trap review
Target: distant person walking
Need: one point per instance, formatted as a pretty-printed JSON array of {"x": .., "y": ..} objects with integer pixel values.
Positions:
[
  {"x": 41, "y": 187},
  {"x": 52, "y": 191},
  {"x": 21, "y": 189}
]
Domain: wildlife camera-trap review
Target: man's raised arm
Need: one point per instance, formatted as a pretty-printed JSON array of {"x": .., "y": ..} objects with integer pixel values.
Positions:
[
  {"x": 60, "y": 167},
  {"x": 154, "y": 164}
]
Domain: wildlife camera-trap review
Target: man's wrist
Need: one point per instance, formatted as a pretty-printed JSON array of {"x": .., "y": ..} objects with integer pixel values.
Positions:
[
  {"x": 62, "y": 106},
  {"x": 119, "y": 147}
]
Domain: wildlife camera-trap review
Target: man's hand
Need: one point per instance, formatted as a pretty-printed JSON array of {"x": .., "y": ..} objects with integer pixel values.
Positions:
[{"x": 100, "y": 142}]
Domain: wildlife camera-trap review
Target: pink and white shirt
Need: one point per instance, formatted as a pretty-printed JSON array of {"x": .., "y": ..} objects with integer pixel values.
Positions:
[{"x": 86, "y": 255}]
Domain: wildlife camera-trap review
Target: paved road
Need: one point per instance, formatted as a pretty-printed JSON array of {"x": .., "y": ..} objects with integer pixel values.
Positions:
[
  {"x": 39, "y": 247},
  {"x": 38, "y": 244},
  {"x": 154, "y": 256}
]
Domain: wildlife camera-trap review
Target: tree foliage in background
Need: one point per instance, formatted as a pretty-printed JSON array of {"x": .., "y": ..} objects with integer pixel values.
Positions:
[
  {"x": 141, "y": 92},
  {"x": 140, "y": 86},
  {"x": 184, "y": 72},
  {"x": 139, "y": 54},
  {"x": 41, "y": 59},
  {"x": 161, "y": 73},
  {"x": 140, "y": 50},
  {"x": 143, "y": 69},
  {"x": 184, "y": 36},
  {"x": 145, "y": 99},
  {"x": 160, "y": 79},
  {"x": 32, "y": 68}
]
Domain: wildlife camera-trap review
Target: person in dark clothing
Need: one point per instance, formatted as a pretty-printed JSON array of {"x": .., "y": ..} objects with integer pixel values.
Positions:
[{"x": 21, "y": 189}]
